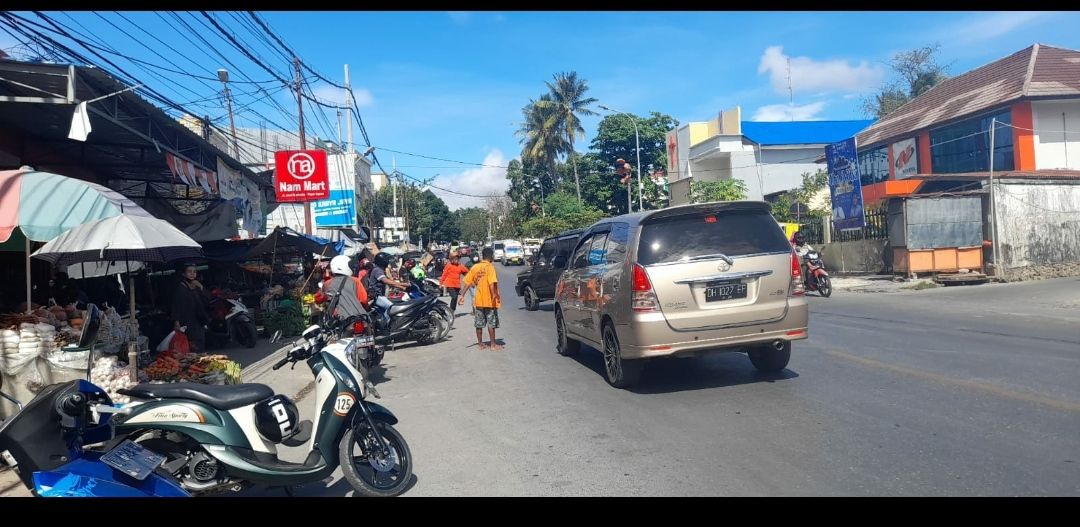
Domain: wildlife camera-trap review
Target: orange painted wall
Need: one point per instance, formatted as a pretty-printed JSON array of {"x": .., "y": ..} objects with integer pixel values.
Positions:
[
  {"x": 1023, "y": 140},
  {"x": 923, "y": 144},
  {"x": 879, "y": 191}
]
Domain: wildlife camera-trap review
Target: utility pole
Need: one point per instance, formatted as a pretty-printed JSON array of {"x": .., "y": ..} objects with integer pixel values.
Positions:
[
  {"x": 339, "y": 128},
  {"x": 223, "y": 76},
  {"x": 262, "y": 141},
  {"x": 348, "y": 107},
  {"x": 999, "y": 270},
  {"x": 791, "y": 94},
  {"x": 303, "y": 139}
]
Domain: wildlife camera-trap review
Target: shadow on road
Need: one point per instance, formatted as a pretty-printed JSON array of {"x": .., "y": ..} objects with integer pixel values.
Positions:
[
  {"x": 340, "y": 487},
  {"x": 691, "y": 373},
  {"x": 543, "y": 307}
]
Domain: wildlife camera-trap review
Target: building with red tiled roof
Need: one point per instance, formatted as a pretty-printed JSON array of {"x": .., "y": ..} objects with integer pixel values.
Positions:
[{"x": 1034, "y": 97}]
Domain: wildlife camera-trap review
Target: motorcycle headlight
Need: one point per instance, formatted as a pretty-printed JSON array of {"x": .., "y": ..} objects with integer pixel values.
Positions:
[{"x": 351, "y": 354}]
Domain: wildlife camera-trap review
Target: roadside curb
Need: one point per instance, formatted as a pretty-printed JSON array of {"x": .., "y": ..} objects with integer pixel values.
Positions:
[{"x": 259, "y": 368}]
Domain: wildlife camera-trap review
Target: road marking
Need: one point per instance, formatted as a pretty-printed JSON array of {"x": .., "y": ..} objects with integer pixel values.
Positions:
[{"x": 945, "y": 379}]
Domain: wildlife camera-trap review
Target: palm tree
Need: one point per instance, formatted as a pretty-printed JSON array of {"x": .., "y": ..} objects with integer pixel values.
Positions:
[
  {"x": 541, "y": 139},
  {"x": 569, "y": 104}
]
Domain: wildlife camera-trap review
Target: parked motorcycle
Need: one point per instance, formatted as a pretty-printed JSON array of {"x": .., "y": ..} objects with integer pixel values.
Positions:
[
  {"x": 218, "y": 438},
  {"x": 44, "y": 442},
  {"x": 817, "y": 278},
  {"x": 231, "y": 319}
]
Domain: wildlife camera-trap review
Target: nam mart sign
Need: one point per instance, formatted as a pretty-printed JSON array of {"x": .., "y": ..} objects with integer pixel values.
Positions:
[{"x": 301, "y": 175}]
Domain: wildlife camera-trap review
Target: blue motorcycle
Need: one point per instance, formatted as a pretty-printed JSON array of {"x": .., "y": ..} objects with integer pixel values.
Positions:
[{"x": 48, "y": 442}]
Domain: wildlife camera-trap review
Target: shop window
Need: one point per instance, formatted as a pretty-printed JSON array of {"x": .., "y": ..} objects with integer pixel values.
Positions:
[
  {"x": 965, "y": 146},
  {"x": 874, "y": 165}
]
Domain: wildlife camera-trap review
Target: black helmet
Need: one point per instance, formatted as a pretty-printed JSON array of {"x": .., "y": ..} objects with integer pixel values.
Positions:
[
  {"x": 799, "y": 238},
  {"x": 381, "y": 260},
  {"x": 276, "y": 418}
]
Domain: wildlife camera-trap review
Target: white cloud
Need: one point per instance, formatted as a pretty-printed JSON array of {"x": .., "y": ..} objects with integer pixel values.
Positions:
[
  {"x": 810, "y": 75},
  {"x": 784, "y": 112},
  {"x": 989, "y": 26},
  {"x": 459, "y": 17},
  {"x": 480, "y": 181},
  {"x": 335, "y": 95}
]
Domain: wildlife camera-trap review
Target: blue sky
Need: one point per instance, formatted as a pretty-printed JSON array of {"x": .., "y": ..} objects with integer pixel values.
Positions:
[{"x": 451, "y": 85}]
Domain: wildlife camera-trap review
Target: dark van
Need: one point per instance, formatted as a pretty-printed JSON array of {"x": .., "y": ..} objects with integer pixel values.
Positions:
[{"x": 537, "y": 283}]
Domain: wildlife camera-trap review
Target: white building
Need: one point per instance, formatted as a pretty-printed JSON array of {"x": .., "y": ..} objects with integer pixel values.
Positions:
[{"x": 769, "y": 157}]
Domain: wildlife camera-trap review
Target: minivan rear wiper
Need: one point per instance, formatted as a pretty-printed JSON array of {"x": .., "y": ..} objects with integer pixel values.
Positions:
[{"x": 721, "y": 256}]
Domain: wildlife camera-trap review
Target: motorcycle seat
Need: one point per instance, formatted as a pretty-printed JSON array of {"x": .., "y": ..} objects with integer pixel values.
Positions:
[
  {"x": 222, "y": 397},
  {"x": 401, "y": 307}
]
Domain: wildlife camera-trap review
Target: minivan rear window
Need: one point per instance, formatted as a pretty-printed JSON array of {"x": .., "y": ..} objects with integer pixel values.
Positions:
[{"x": 732, "y": 233}]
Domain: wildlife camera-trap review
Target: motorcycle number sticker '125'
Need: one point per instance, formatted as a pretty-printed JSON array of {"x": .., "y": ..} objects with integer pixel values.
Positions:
[{"x": 344, "y": 403}]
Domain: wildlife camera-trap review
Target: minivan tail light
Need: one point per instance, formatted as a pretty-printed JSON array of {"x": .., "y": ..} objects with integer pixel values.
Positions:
[
  {"x": 643, "y": 298},
  {"x": 797, "y": 288},
  {"x": 641, "y": 280}
]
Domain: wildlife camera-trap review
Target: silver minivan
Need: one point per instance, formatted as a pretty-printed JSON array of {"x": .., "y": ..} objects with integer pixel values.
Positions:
[{"x": 682, "y": 281}]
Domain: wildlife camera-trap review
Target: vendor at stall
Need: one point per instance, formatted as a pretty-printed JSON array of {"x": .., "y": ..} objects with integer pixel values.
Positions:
[{"x": 189, "y": 308}]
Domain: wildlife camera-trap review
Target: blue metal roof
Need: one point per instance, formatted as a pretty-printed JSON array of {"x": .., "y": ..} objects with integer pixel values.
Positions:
[{"x": 802, "y": 132}]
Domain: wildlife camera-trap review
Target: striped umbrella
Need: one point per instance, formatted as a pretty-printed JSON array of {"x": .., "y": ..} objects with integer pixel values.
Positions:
[{"x": 43, "y": 205}]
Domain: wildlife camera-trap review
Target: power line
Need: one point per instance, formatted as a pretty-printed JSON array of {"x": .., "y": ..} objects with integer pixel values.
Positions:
[
  {"x": 184, "y": 55},
  {"x": 239, "y": 71}
]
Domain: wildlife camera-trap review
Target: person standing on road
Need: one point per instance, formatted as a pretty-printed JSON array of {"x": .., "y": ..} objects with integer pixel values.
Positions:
[
  {"x": 486, "y": 301},
  {"x": 451, "y": 280}
]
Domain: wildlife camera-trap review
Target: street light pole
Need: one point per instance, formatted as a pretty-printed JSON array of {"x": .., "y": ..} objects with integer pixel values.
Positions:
[
  {"x": 543, "y": 212},
  {"x": 637, "y": 153}
]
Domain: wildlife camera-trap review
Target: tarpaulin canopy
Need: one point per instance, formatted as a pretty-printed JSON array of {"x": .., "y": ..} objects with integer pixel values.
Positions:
[
  {"x": 286, "y": 240},
  {"x": 217, "y": 222},
  {"x": 228, "y": 250}
]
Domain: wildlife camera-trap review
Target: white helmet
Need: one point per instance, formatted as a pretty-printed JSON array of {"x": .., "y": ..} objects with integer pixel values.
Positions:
[{"x": 340, "y": 265}]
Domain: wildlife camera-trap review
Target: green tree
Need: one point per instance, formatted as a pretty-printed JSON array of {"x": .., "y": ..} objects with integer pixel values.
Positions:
[
  {"x": 794, "y": 206},
  {"x": 915, "y": 72},
  {"x": 563, "y": 213},
  {"x": 540, "y": 137},
  {"x": 723, "y": 190},
  {"x": 472, "y": 223},
  {"x": 615, "y": 139},
  {"x": 569, "y": 104}
]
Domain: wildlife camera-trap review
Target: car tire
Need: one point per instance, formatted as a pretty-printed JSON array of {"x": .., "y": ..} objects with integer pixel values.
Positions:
[
  {"x": 768, "y": 359},
  {"x": 531, "y": 302},
  {"x": 619, "y": 372},
  {"x": 564, "y": 344}
]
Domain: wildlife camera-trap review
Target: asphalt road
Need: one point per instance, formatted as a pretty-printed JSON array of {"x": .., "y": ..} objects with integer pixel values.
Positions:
[{"x": 954, "y": 391}]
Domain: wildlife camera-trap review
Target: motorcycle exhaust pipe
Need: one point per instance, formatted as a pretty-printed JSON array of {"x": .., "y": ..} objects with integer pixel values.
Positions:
[{"x": 778, "y": 345}]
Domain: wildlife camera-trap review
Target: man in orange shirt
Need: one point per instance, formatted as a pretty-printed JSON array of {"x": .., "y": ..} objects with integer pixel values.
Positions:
[
  {"x": 451, "y": 280},
  {"x": 486, "y": 301}
]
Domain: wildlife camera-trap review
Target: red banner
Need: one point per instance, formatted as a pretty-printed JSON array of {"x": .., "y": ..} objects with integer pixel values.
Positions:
[{"x": 301, "y": 175}]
